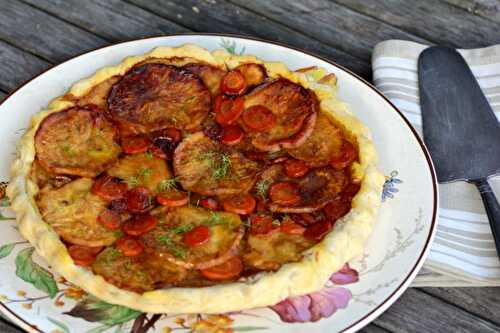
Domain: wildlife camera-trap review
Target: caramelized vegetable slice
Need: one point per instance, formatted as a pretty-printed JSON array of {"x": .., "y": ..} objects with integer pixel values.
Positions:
[
  {"x": 208, "y": 168},
  {"x": 324, "y": 144},
  {"x": 77, "y": 141},
  {"x": 155, "y": 96},
  {"x": 72, "y": 211},
  {"x": 83, "y": 255},
  {"x": 228, "y": 270},
  {"x": 141, "y": 273},
  {"x": 254, "y": 74},
  {"x": 271, "y": 250},
  {"x": 294, "y": 109},
  {"x": 170, "y": 238},
  {"x": 98, "y": 95},
  {"x": 141, "y": 170},
  {"x": 233, "y": 83},
  {"x": 302, "y": 195},
  {"x": 211, "y": 76}
]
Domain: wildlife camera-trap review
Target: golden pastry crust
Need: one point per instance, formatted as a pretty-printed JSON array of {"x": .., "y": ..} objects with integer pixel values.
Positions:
[{"x": 343, "y": 243}]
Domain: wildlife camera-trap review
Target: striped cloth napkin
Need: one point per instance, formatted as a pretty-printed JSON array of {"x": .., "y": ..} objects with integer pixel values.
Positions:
[{"x": 463, "y": 252}]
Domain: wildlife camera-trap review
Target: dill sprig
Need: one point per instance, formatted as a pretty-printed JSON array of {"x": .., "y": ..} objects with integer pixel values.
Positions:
[
  {"x": 167, "y": 184},
  {"x": 219, "y": 162},
  {"x": 133, "y": 181},
  {"x": 141, "y": 175},
  {"x": 261, "y": 188},
  {"x": 144, "y": 172},
  {"x": 176, "y": 249}
]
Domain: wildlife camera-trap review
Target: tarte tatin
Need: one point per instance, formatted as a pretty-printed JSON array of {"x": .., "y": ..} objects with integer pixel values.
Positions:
[{"x": 188, "y": 181}]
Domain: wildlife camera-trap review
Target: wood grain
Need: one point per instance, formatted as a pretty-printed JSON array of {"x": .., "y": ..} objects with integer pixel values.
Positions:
[
  {"x": 42, "y": 34},
  {"x": 437, "y": 21},
  {"x": 489, "y": 9},
  {"x": 113, "y": 20},
  {"x": 482, "y": 302},
  {"x": 330, "y": 23},
  {"x": 7, "y": 327},
  {"x": 224, "y": 17},
  {"x": 17, "y": 66},
  {"x": 417, "y": 311}
]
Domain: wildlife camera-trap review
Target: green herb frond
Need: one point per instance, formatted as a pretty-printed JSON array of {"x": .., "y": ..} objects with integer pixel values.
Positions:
[
  {"x": 219, "y": 162},
  {"x": 144, "y": 172},
  {"x": 176, "y": 249},
  {"x": 261, "y": 188},
  {"x": 168, "y": 184},
  {"x": 133, "y": 181}
]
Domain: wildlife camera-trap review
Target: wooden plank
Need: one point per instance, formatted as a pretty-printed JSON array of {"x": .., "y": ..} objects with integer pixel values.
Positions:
[
  {"x": 7, "y": 327},
  {"x": 489, "y": 9},
  {"x": 224, "y": 17},
  {"x": 417, "y": 311},
  {"x": 372, "y": 328},
  {"x": 330, "y": 23},
  {"x": 434, "y": 20},
  {"x": 17, "y": 66},
  {"x": 114, "y": 20},
  {"x": 483, "y": 302},
  {"x": 42, "y": 34}
]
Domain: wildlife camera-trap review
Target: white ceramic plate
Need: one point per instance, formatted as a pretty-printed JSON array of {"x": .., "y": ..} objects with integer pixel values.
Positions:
[{"x": 38, "y": 301}]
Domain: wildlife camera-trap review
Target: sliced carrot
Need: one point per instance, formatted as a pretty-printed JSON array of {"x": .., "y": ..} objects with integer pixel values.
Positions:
[
  {"x": 109, "y": 188},
  {"x": 240, "y": 204},
  {"x": 129, "y": 246},
  {"x": 337, "y": 208},
  {"x": 346, "y": 157},
  {"x": 292, "y": 228},
  {"x": 233, "y": 83},
  {"x": 262, "y": 224},
  {"x": 83, "y": 255},
  {"x": 139, "y": 224},
  {"x": 227, "y": 110},
  {"x": 172, "y": 198},
  {"x": 318, "y": 230},
  {"x": 258, "y": 118},
  {"x": 135, "y": 144},
  {"x": 138, "y": 199},
  {"x": 295, "y": 168},
  {"x": 110, "y": 219},
  {"x": 284, "y": 193},
  {"x": 229, "y": 269},
  {"x": 231, "y": 135},
  {"x": 197, "y": 236},
  {"x": 209, "y": 203}
]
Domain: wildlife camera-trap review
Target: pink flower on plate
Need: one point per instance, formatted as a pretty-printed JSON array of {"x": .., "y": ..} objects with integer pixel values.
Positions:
[
  {"x": 345, "y": 275},
  {"x": 320, "y": 304},
  {"x": 314, "y": 306}
]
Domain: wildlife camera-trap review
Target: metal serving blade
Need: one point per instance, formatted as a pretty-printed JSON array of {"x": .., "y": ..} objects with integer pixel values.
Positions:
[{"x": 460, "y": 128}]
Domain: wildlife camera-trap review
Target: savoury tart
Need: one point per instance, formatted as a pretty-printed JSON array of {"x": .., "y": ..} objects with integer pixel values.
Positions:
[{"x": 187, "y": 181}]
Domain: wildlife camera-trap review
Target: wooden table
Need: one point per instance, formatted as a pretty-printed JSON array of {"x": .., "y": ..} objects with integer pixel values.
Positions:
[{"x": 35, "y": 35}]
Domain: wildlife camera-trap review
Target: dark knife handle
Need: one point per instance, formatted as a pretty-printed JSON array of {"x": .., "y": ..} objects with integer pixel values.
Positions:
[{"x": 492, "y": 209}]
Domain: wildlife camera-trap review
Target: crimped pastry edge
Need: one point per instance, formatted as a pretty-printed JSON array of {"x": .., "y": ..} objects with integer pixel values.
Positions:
[{"x": 342, "y": 244}]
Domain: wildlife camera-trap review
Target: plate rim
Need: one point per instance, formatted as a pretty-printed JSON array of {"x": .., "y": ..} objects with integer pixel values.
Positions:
[{"x": 398, "y": 291}]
